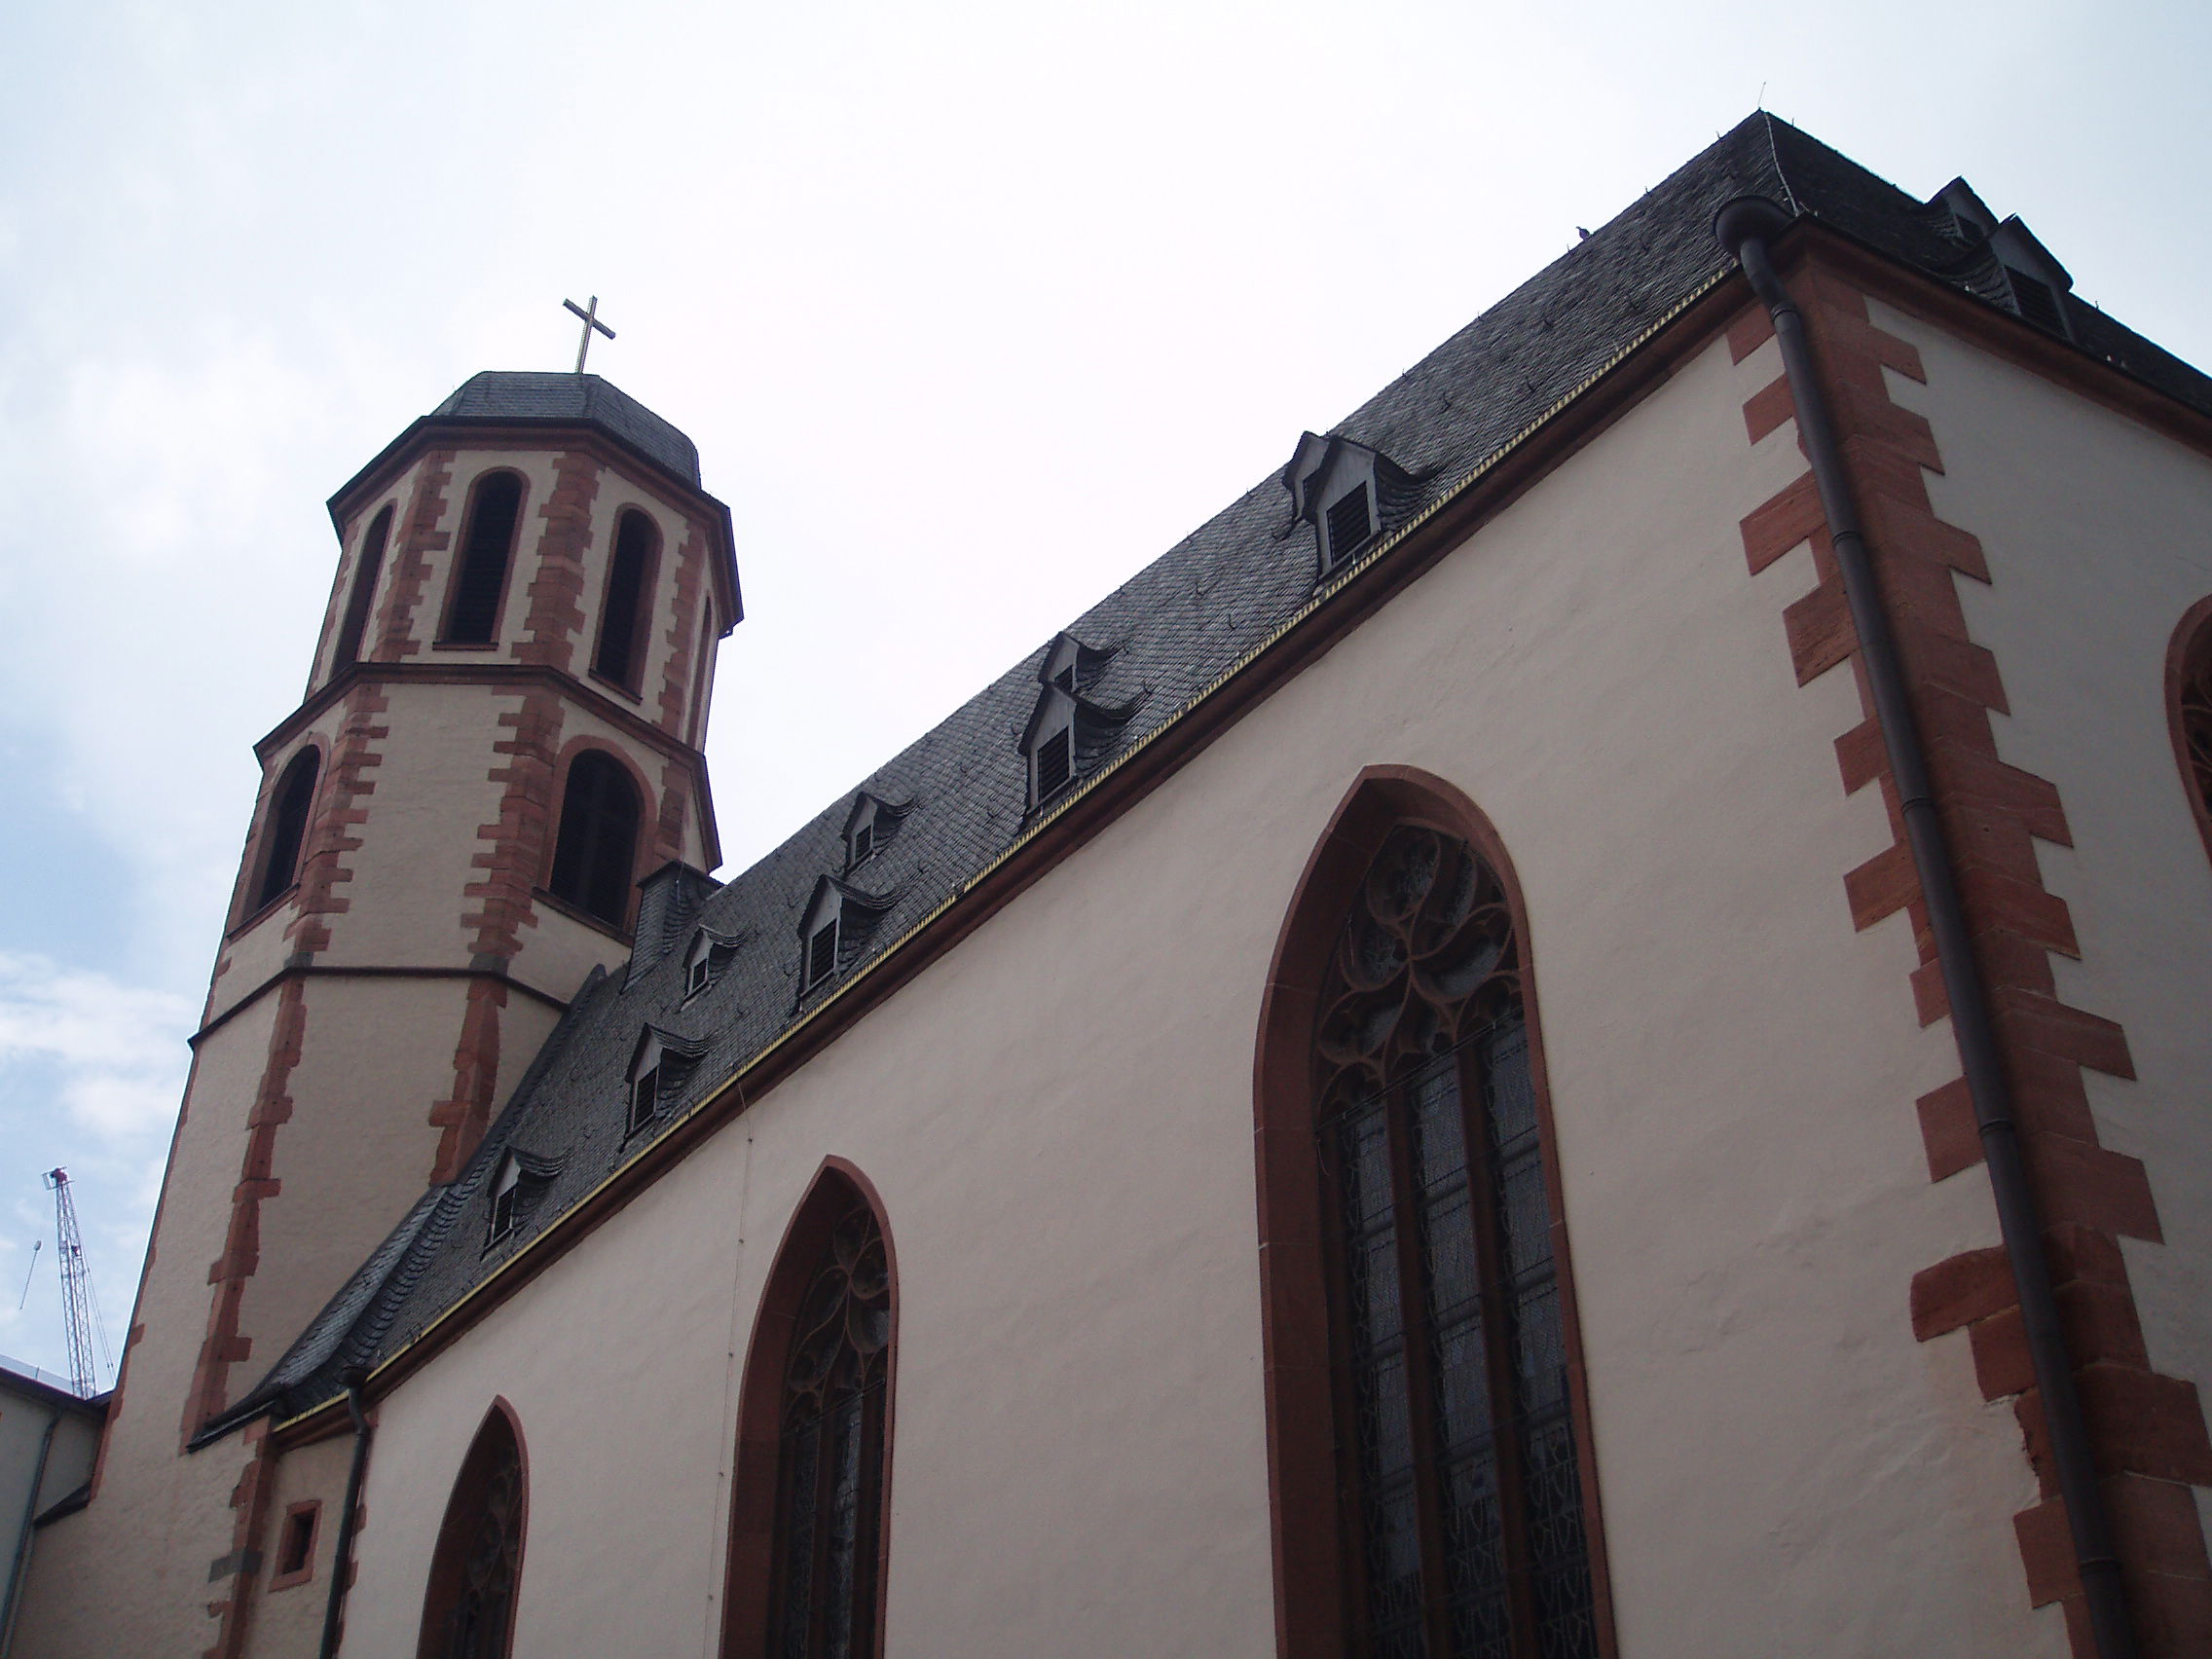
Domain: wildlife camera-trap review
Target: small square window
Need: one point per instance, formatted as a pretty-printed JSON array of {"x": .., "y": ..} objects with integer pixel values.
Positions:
[{"x": 298, "y": 1547}]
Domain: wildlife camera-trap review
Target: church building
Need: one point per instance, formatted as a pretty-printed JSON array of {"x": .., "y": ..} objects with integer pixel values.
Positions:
[{"x": 1577, "y": 1030}]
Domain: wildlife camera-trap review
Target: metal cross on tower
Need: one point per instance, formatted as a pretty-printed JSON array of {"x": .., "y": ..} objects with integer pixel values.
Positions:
[
  {"x": 79, "y": 1307},
  {"x": 591, "y": 322}
]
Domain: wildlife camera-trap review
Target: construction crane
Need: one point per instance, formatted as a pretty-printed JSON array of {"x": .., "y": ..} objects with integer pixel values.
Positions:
[{"x": 80, "y": 1308}]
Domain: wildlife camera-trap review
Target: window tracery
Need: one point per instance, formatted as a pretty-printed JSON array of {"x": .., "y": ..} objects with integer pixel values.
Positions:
[
  {"x": 1465, "y": 1521},
  {"x": 468, "y": 1608},
  {"x": 832, "y": 1424}
]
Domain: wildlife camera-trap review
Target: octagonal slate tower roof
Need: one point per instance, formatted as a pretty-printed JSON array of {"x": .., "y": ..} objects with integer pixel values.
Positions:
[{"x": 507, "y": 397}]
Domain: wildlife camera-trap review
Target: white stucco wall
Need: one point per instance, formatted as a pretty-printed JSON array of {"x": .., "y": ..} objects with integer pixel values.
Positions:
[
  {"x": 1058, "y": 1118},
  {"x": 2098, "y": 533}
]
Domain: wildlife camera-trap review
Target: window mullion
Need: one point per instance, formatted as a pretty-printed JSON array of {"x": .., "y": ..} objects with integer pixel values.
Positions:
[{"x": 1420, "y": 1381}]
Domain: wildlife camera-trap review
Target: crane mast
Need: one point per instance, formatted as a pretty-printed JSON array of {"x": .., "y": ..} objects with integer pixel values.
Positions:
[{"x": 77, "y": 1301}]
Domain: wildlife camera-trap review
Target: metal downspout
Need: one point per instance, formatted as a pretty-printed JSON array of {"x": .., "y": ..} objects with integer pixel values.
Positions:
[
  {"x": 342, "y": 1557},
  {"x": 1743, "y": 227},
  {"x": 20, "y": 1565}
]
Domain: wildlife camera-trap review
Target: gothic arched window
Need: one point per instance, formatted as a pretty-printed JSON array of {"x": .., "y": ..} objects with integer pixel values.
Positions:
[
  {"x": 806, "y": 1537},
  {"x": 628, "y": 608},
  {"x": 487, "y": 544},
  {"x": 595, "y": 854},
  {"x": 468, "y": 1611},
  {"x": 2189, "y": 676},
  {"x": 1410, "y": 1216},
  {"x": 367, "y": 566},
  {"x": 287, "y": 825}
]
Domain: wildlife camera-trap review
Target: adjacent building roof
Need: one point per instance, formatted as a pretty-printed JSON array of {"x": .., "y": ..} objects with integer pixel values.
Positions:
[{"x": 1164, "y": 640}]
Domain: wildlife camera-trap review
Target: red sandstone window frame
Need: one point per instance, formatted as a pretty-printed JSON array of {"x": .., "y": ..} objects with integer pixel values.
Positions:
[
  {"x": 248, "y": 907},
  {"x": 286, "y": 1530},
  {"x": 750, "y": 1584},
  {"x": 1314, "y": 1539},
  {"x": 468, "y": 522},
  {"x": 2188, "y": 688},
  {"x": 362, "y": 582},
  {"x": 647, "y": 812}
]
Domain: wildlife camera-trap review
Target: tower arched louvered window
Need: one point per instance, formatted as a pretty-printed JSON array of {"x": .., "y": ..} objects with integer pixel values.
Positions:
[
  {"x": 487, "y": 545},
  {"x": 807, "y": 1544},
  {"x": 468, "y": 1608},
  {"x": 595, "y": 854},
  {"x": 368, "y": 565},
  {"x": 1431, "y": 1493},
  {"x": 628, "y": 608},
  {"x": 287, "y": 825}
]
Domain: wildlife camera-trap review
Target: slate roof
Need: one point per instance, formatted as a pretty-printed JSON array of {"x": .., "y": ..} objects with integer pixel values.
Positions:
[
  {"x": 506, "y": 398},
  {"x": 1170, "y": 634}
]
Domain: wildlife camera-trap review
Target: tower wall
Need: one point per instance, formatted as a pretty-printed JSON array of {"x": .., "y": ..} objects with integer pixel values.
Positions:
[{"x": 364, "y": 1023}]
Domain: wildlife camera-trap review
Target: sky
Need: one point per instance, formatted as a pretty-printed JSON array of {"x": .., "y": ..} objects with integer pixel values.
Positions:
[{"x": 972, "y": 308}]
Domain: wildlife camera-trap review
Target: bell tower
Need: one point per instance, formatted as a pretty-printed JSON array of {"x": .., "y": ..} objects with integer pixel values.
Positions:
[{"x": 501, "y": 735}]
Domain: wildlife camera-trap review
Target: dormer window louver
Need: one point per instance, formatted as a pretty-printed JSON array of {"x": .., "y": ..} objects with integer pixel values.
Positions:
[
  {"x": 2037, "y": 301},
  {"x": 1350, "y": 524},
  {"x": 503, "y": 1198},
  {"x": 822, "y": 953},
  {"x": 1055, "y": 762}
]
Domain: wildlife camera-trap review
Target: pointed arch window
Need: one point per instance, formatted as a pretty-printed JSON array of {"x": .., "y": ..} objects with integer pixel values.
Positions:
[
  {"x": 807, "y": 1540},
  {"x": 367, "y": 568},
  {"x": 468, "y": 1609},
  {"x": 595, "y": 854},
  {"x": 487, "y": 546},
  {"x": 627, "y": 611},
  {"x": 287, "y": 827},
  {"x": 1452, "y": 1492},
  {"x": 2189, "y": 681}
]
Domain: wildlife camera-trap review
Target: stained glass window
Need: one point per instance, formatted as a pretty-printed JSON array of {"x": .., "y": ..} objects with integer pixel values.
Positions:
[
  {"x": 830, "y": 1475},
  {"x": 469, "y": 1609},
  {"x": 1449, "y": 1338}
]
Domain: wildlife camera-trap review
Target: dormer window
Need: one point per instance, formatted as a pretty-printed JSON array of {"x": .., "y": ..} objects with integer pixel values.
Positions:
[
  {"x": 1349, "y": 494},
  {"x": 503, "y": 1196},
  {"x": 835, "y": 929},
  {"x": 1069, "y": 730},
  {"x": 2037, "y": 301},
  {"x": 660, "y": 1067},
  {"x": 2035, "y": 283},
  {"x": 869, "y": 827},
  {"x": 516, "y": 1190},
  {"x": 709, "y": 953}
]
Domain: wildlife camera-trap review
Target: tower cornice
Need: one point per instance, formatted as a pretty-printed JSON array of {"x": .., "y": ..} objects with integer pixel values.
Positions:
[{"x": 517, "y": 676}]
